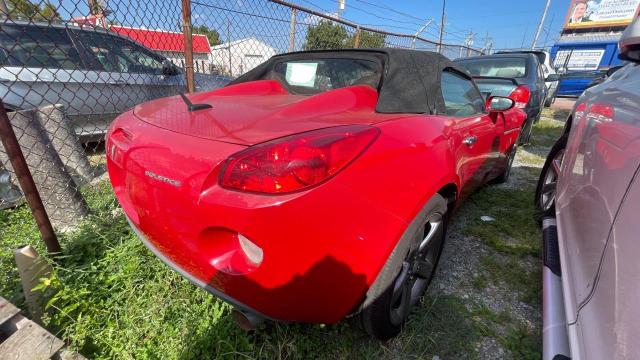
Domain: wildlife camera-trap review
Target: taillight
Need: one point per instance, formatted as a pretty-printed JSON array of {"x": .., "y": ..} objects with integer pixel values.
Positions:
[
  {"x": 296, "y": 162},
  {"x": 521, "y": 96}
]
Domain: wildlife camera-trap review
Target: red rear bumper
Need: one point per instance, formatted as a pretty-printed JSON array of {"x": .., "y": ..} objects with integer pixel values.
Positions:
[{"x": 323, "y": 248}]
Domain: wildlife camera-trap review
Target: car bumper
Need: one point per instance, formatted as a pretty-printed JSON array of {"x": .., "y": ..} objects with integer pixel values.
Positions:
[{"x": 322, "y": 248}]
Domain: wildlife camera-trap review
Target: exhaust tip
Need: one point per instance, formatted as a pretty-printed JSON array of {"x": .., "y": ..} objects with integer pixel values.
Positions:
[{"x": 245, "y": 320}]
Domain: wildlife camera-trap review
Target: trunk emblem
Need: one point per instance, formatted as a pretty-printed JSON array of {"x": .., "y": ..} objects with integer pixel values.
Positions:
[{"x": 164, "y": 179}]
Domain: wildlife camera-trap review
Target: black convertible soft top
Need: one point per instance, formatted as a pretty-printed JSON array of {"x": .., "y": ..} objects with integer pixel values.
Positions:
[{"x": 410, "y": 79}]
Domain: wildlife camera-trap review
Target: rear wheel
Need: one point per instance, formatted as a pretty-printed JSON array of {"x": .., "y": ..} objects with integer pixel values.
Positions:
[
  {"x": 504, "y": 177},
  {"x": 384, "y": 317},
  {"x": 545, "y": 200}
]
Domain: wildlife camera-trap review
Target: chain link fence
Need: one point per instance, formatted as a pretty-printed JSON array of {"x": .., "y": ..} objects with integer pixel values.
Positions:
[{"x": 68, "y": 68}]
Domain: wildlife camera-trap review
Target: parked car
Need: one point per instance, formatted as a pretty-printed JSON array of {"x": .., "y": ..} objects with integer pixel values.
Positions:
[
  {"x": 589, "y": 195},
  {"x": 10, "y": 195},
  {"x": 95, "y": 73},
  {"x": 516, "y": 75},
  {"x": 547, "y": 69},
  {"x": 574, "y": 83},
  {"x": 604, "y": 77},
  {"x": 315, "y": 186}
]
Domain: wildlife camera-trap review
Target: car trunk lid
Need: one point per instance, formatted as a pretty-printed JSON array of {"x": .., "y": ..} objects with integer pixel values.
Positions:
[{"x": 251, "y": 113}]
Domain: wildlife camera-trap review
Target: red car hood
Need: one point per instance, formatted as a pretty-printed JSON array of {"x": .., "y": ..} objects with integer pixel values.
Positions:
[{"x": 254, "y": 112}]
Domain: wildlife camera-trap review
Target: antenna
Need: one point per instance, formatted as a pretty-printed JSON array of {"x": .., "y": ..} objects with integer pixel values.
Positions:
[{"x": 194, "y": 107}]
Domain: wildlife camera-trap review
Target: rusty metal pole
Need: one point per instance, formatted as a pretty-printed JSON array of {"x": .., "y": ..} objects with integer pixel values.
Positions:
[
  {"x": 356, "y": 42},
  {"x": 12, "y": 148},
  {"x": 188, "y": 44},
  {"x": 292, "y": 30}
]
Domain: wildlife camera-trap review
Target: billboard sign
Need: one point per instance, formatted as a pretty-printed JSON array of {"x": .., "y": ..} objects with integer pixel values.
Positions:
[
  {"x": 576, "y": 60},
  {"x": 600, "y": 13}
]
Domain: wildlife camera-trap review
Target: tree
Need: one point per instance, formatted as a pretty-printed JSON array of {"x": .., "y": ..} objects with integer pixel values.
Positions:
[
  {"x": 212, "y": 35},
  {"x": 326, "y": 35},
  {"x": 368, "y": 39},
  {"x": 329, "y": 35},
  {"x": 27, "y": 9}
]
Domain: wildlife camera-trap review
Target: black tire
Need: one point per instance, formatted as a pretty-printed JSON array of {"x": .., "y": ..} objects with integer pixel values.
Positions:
[
  {"x": 504, "y": 177},
  {"x": 550, "y": 100},
  {"x": 544, "y": 200},
  {"x": 525, "y": 134},
  {"x": 407, "y": 273}
]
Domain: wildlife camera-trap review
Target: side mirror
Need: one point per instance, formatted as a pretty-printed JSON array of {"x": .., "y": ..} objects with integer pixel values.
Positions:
[
  {"x": 168, "y": 69},
  {"x": 552, "y": 77},
  {"x": 630, "y": 42},
  {"x": 499, "y": 104}
]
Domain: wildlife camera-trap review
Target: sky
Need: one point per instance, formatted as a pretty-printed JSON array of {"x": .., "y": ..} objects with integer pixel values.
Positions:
[
  {"x": 510, "y": 24},
  {"x": 507, "y": 22}
]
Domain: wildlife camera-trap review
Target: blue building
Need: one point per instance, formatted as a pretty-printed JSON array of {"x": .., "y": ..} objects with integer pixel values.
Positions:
[{"x": 588, "y": 44}]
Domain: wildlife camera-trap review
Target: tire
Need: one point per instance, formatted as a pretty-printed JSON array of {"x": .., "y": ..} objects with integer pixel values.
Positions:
[
  {"x": 409, "y": 269},
  {"x": 504, "y": 177},
  {"x": 525, "y": 134},
  {"x": 546, "y": 189}
]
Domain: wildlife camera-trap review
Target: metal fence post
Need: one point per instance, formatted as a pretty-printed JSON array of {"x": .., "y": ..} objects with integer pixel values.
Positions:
[
  {"x": 292, "y": 30},
  {"x": 356, "y": 41},
  {"x": 188, "y": 44},
  {"x": 12, "y": 147}
]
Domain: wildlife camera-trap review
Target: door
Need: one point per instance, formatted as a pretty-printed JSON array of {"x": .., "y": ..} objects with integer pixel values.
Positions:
[
  {"x": 601, "y": 157},
  {"x": 39, "y": 66},
  {"x": 130, "y": 74},
  {"x": 472, "y": 130}
]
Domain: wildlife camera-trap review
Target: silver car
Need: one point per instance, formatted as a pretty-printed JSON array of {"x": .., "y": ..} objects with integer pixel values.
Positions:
[
  {"x": 96, "y": 74},
  {"x": 589, "y": 194}
]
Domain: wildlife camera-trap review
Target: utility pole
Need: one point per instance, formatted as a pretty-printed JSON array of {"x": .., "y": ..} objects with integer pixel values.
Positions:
[
  {"x": 443, "y": 19},
  {"x": 341, "y": 6},
  {"x": 188, "y": 44},
  {"x": 546, "y": 38},
  {"x": 426, "y": 25},
  {"x": 544, "y": 14},
  {"x": 468, "y": 42}
]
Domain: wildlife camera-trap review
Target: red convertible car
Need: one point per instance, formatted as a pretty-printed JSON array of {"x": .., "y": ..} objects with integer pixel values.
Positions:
[{"x": 316, "y": 186}]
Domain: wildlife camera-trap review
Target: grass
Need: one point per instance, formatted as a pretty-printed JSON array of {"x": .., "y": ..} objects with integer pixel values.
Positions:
[{"x": 110, "y": 297}]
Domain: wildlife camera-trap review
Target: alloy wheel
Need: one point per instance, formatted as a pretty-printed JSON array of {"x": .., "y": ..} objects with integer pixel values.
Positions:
[
  {"x": 417, "y": 269},
  {"x": 548, "y": 193}
]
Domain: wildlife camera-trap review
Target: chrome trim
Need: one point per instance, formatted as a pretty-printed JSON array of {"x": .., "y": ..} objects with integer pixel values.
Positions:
[
  {"x": 213, "y": 291},
  {"x": 555, "y": 338}
]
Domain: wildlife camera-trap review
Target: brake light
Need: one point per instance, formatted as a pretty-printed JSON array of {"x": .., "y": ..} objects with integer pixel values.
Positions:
[
  {"x": 521, "y": 96},
  {"x": 296, "y": 162}
]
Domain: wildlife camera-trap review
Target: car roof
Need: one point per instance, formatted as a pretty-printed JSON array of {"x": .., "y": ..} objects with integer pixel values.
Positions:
[
  {"x": 409, "y": 76},
  {"x": 541, "y": 54}
]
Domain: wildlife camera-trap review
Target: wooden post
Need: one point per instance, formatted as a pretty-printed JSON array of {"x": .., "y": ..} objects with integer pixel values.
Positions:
[
  {"x": 188, "y": 44},
  {"x": 14, "y": 152},
  {"x": 356, "y": 42},
  {"x": 292, "y": 31}
]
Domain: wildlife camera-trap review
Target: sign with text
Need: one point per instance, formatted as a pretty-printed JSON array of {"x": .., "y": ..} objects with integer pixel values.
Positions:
[
  {"x": 600, "y": 13},
  {"x": 575, "y": 60}
]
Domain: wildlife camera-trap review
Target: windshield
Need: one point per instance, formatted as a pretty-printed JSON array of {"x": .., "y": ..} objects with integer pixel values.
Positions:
[
  {"x": 313, "y": 76},
  {"x": 507, "y": 67}
]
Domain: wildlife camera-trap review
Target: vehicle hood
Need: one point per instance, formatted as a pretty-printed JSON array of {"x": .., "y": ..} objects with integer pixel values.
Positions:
[
  {"x": 496, "y": 86},
  {"x": 254, "y": 112}
]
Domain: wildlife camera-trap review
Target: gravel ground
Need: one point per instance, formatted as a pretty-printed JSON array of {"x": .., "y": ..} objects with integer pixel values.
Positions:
[{"x": 465, "y": 258}]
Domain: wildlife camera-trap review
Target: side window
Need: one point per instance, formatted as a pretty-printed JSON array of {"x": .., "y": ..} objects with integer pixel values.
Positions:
[
  {"x": 34, "y": 46},
  {"x": 461, "y": 97},
  {"x": 112, "y": 54}
]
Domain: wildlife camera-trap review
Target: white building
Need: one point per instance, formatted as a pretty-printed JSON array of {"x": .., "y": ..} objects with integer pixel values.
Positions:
[{"x": 237, "y": 57}]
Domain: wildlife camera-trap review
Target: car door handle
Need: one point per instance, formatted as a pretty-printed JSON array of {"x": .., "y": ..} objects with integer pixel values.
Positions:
[{"x": 469, "y": 141}]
